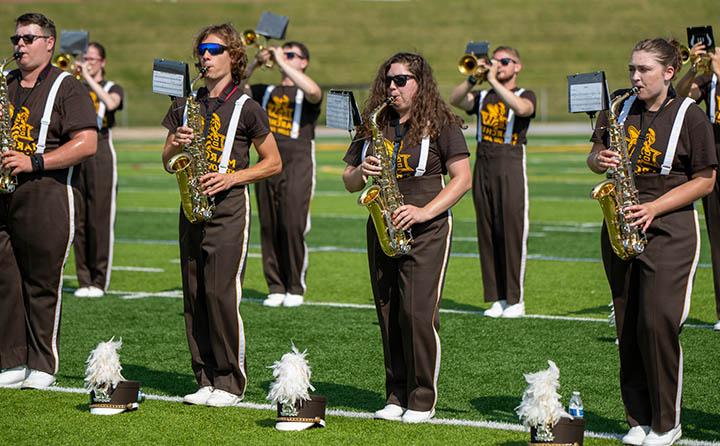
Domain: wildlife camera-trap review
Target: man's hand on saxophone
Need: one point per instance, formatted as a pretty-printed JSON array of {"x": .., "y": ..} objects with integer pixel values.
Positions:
[
  {"x": 17, "y": 162},
  {"x": 182, "y": 136}
]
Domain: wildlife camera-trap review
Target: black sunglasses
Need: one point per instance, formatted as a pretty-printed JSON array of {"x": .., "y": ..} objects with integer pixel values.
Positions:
[
  {"x": 27, "y": 38},
  {"x": 290, "y": 55},
  {"x": 213, "y": 48},
  {"x": 399, "y": 79},
  {"x": 505, "y": 61}
]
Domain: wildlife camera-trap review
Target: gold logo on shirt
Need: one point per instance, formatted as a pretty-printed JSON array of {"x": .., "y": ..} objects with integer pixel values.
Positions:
[
  {"x": 21, "y": 131},
  {"x": 494, "y": 123},
  {"x": 214, "y": 145},
  {"x": 280, "y": 114},
  {"x": 402, "y": 162},
  {"x": 648, "y": 158},
  {"x": 717, "y": 109}
]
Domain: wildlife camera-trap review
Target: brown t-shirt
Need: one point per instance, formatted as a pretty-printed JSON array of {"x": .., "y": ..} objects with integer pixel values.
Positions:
[
  {"x": 72, "y": 110},
  {"x": 494, "y": 117},
  {"x": 280, "y": 109},
  {"x": 704, "y": 82},
  {"x": 695, "y": 148},
  {"x": 109, "y": 118},
  {"x": 449, "y": 143},
  {"x": 252, "y": 124}
]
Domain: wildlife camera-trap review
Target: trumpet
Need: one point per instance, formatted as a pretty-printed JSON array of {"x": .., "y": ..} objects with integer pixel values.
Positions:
[
  {"x": 251, "y": 38},
  {"x": 699, "y": 62},
  {"x": 66, "y": 62},
  {"x": 469, "y": 65}
]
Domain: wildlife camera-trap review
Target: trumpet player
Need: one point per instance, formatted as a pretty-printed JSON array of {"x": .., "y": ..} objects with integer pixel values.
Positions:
[
  {"x": 704, "y": 88},
  {"x": 98, "y": 181},
  {"x": 500, "y": 190},
  {"x": 213, "y": 253},
  {"x": 293, "y": 107},
  {"x": 37, "y": 218}
]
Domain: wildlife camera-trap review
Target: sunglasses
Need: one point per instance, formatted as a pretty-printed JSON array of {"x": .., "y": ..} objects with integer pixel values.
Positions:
[
  {"x": 399, "y": 79},
  {"x": 290, "y": 55},
  {"x": 27, "y": 38},
  {"x": 505, "y": 61},
  {"x": 213, "y": 48}
]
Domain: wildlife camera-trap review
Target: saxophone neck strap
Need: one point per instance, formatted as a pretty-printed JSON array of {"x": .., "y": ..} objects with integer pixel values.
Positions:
[
  {"x": 643, "y": 131},
  {"x": 400, "y": 130}
]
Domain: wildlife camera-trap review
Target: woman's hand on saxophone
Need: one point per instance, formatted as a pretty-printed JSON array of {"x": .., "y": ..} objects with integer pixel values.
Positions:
[
  {"x": 407, "y": 215},
  {"x": 214, "y": 183},
  {"x": 642, "y": 214},
  {"x": 371, "y": 166},
  {"x": 606, "y": 159},
  {"x": 182, "y": 136}
]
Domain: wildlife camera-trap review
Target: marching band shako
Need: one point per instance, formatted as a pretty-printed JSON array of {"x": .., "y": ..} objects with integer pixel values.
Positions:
[
  {"x": 567, "y": 432},
  {"x": 125, "y": 396},
  {"x": 302, "y": 415}
]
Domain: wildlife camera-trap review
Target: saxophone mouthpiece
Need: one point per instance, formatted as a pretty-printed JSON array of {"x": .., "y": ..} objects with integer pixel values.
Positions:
[
  {"x": 16, "y": 55},
  {"x": 390, "y": 100},
  {"x": 634, "y": 90}
]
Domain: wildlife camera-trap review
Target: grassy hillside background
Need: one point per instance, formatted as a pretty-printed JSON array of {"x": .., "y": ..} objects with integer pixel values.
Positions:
[{"x": 348, "y": 39}]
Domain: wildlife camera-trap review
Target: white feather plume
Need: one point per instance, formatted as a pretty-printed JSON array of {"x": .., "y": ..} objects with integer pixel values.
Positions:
[
  {"x": 292, "y": 378},
  {"x": 541, "y": 404},
  {"x": 103, "y": 366}
]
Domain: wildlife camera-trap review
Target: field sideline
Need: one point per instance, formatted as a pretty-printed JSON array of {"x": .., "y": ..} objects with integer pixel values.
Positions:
[{"x": 482, "y": 359}]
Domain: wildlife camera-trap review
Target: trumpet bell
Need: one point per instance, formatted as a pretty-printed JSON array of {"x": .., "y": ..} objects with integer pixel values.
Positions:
[
  {"x": 467, "y": 64},
  {"x": 249, "y": 37},
  {"x": 66, "y": 62}
]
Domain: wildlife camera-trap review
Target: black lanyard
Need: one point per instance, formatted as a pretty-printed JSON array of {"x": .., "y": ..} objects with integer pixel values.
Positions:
[
  {"x": 643, "y": 132},
  {"x": 18, "y": 108},
  {"x": 399, "y": 134},
  {"x": 224, "y": 96}
]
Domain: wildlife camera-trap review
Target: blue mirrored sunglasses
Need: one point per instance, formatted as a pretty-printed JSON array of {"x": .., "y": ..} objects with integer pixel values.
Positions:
[{"x": 213, "y": 48}]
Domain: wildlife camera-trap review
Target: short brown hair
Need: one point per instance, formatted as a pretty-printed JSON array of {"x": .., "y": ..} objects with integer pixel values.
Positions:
[
  {"x": 233, "y": 41},
  {"x": 35, "y": 18},
  {"x": 666, "y": 51},
  {"x": 303, "y": 48}
]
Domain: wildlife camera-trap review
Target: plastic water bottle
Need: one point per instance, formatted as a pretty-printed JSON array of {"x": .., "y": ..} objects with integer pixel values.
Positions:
[{"x": 575, "y": 407}]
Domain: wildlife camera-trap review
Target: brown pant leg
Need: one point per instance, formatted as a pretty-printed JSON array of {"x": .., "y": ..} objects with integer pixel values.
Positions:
[
  {"x": 42, "y": 222},
  {"x": 711, "y": 205},
  {"x": 421, "y": 278},
  {"x": 513, "y": 195},
  {"x": 215, "y": 328},
  {"x": 84, "y": 243},
  {"x": 13, "y": 339},
  {"x": 267, "y": 193},
  {"x": 484, "y": 212}
]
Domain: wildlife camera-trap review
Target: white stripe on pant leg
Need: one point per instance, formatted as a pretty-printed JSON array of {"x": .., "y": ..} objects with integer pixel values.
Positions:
[
  {"x": 238, "y": 290},
  {"x": 686, "y": 311},
  {"x": 71, "y": 236},
  {"x": 113, "y": 210},
  {"x": 308, "y": 223},
  {"x": 526, "y": 226}
]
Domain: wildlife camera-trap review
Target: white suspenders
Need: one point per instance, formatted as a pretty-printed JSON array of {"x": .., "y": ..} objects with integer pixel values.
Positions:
[
  {"x": 674, "y": 136},
  {"x": 422, "y": 161},
  {"x": 102, "y": 108},
  {"x": 47, "y": 113},
  {"x": 507, "y": 139},
  {"x": 713, "y": 98},
  {"x": 230, "y": 136},
  {"x": 299, "y": 97}
]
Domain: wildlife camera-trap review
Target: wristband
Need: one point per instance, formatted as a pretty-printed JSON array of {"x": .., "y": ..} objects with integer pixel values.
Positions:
[
  {"x": 472, "y": 80},
  {"x": 38, "y": 163}
]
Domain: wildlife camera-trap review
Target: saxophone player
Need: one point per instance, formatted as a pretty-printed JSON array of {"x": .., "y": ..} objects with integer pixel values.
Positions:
[
  {"x": 704, "y": 87},
  {"x": 672, "y": 154},
  {"x": 293, "y": 108},
  {"x": 37, "y": 219},
  {"x": 500, "y": 190},
  {"x": 213, "y": 252},
  {"x": 425, "y": 141}
]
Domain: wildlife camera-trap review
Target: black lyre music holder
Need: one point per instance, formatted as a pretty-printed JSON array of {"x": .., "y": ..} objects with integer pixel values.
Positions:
[
  {"x": 73, "y": 42},
  {"x": 478, "y": 49},
  {"x": 701, "y": 34},
  {"x": 272, "y": 26}
]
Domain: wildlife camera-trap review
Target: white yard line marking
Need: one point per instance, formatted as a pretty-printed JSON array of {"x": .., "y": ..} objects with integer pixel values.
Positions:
[
  {"x": 141, "y": 269},
  {"x": 494, "y": 425}
]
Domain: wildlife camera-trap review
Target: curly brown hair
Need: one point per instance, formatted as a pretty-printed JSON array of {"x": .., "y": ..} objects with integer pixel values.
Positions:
[
  {"x": 429, "y": 114},
  {"x": 233, "y": 42}
]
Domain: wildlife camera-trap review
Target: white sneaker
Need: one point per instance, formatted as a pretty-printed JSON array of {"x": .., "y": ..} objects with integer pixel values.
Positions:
[
  {"x": 293, "y": 300},
  {"x": 38, "y": 380},
  {"x": 221, "y": 398},
  {"x": 200, "y": 397},
  {"x": 391, "y": 412},
  {"x": 716, "y": 327},
  {"x": 513, "y": 311},
  {"x": 415, "y": 416},
  {"x": 636, "y": 435},
  {"x": 89, "y": 291},
  {"x": 497, "y": 308},
  {"x": 12, "y": 378},
  {"x": 274, "y": 300},
  {"x": 663, "y": 439},
  {"x": 82, "y": 291}
]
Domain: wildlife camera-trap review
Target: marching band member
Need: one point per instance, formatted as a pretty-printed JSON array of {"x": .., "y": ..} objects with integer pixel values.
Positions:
[
  {"x": 428, "y": 142},
  {"x": 213, "y": 253},
  {"x": 673, "y": 154},
  {"x": 500, "y": 190},
  {"x": 283, "y": 200},
  {"x": 704, "y": 87},
  {"x": 54, "y": 127},
  {"x": 98, "y": 182}
]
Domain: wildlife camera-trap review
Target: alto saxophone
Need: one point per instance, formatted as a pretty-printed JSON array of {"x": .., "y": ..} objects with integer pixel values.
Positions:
[
  {"x": 382, "y": 197},
  {"x": 8, "y": 181},
  {"x": 619, "y": 192},
  {"x": 191, "y": 164}
]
